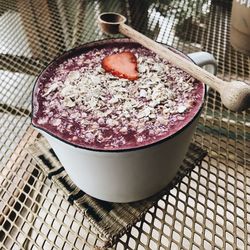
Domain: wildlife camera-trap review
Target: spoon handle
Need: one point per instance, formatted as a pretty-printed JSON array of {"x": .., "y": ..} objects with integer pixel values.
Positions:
[{"x": 173, "y": 58}]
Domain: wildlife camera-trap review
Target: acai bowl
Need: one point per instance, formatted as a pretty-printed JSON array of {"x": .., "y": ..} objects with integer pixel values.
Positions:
[{"x": 119, "y": 118}]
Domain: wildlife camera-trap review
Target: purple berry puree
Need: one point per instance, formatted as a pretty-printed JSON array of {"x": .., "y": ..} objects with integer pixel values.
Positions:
[{"x": 78, "y": 102}]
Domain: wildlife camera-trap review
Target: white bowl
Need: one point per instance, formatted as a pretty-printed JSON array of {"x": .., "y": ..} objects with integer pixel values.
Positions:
[{"x": 121, "y": 175}]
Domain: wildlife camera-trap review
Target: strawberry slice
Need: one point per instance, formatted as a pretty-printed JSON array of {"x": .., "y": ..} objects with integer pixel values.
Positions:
[{"x": 123, "y": 65}]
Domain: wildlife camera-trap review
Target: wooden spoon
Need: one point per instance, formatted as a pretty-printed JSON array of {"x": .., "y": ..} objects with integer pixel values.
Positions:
[{"x": 234, "y": 95}]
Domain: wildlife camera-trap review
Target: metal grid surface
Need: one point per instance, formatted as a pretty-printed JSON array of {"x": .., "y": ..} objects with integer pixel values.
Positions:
[{"x": 209, "y": 209}]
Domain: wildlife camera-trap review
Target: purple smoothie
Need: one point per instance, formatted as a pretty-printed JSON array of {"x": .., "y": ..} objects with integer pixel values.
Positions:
[{"x": 77, "y": 101}]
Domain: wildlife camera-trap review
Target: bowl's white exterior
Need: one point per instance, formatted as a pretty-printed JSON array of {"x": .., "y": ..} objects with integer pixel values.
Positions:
[{"x": 124, "y": 176}]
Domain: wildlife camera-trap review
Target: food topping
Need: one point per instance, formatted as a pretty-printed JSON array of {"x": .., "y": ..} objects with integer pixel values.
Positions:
[{"x": 85, "y": 104}]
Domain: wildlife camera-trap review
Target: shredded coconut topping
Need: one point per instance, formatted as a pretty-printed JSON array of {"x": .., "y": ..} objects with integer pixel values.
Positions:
[{"x": 93, "y": 108}]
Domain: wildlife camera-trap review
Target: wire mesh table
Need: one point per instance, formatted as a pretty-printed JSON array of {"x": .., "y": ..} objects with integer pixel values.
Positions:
[{"x": 208, "y": 209}]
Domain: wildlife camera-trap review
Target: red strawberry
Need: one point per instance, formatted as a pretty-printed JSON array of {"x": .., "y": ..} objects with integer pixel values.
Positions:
[{"x": 123, "y": 65}]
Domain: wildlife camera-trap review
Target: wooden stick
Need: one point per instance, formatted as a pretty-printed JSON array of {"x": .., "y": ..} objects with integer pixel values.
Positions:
[{"x": 234, "y": 95}]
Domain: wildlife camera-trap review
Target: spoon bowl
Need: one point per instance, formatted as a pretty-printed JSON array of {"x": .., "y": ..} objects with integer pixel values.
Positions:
[{"x": 110, "y": 21}]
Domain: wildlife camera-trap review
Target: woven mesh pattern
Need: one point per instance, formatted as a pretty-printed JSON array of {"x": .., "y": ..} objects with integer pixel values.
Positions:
[
  {"x": 111, "y": 219},
  {"x": 209, "y": 209}
]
